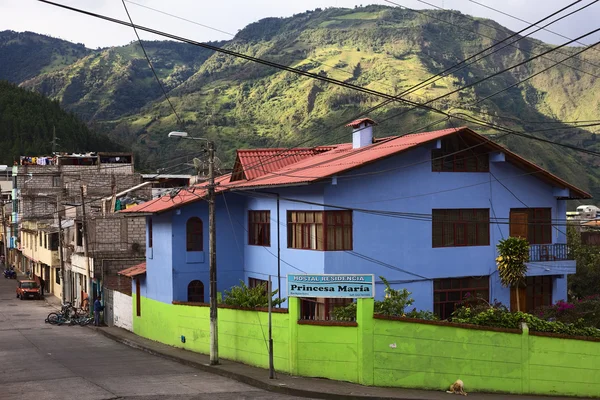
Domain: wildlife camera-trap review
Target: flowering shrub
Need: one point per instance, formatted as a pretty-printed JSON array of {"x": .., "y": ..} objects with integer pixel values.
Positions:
[
  {"x": 586, "y": 310},
  {"x": 497, "y": 315}
]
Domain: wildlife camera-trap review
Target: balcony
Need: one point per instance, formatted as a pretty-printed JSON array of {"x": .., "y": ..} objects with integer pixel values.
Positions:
[
  {"x": 550, "y": 259},
  {"x": 549, "y": 252}
]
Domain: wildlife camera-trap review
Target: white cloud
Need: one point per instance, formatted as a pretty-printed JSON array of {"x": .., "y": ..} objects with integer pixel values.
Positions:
[{"x": 231, "y": 15}]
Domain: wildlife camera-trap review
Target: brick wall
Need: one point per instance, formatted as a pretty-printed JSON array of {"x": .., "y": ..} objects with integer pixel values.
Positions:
[{"x": 117, "y": 233}]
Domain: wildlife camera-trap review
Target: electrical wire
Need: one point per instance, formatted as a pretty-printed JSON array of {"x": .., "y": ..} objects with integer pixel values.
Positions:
[
  {"x": 152, "y": 66},
  {"x": 300, "y": 72}
]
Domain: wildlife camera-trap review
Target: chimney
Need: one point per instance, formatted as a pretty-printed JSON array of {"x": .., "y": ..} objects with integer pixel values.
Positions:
[{"x": 362, "y": 132}]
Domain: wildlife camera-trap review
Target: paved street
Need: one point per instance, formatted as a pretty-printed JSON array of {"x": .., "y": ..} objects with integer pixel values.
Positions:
[{"x": 39, "y": 361}]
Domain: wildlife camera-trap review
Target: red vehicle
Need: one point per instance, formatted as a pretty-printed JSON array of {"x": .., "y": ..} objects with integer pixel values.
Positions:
[{"x": 27, "y": 289}]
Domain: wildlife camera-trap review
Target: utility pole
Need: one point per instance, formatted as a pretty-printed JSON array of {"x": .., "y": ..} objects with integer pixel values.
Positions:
[
  {"x": 212, "y": 263},
  {"x": 4, "y": 234},
  {"x": 271, "y": 367},
  {"x": 85, "y": 246},
  {"x": 60, "y": 252}
]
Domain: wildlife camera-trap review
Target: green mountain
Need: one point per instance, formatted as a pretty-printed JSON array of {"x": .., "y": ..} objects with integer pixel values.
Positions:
[
  {"x": 28, "y": 121},
  {"x": 243, "y": 104},
  {"x": 25, "y": 55}
]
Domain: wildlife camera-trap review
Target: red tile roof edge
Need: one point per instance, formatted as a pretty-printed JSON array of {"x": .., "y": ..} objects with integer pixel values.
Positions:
[{"x": 139, "y": 269}]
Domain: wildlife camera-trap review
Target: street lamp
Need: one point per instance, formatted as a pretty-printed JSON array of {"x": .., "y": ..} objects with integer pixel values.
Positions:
[{"x": 212, "y": 246}]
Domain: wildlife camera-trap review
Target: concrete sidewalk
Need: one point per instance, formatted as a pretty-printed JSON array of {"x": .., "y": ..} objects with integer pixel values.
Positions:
[{"x": 283, "y": 383}]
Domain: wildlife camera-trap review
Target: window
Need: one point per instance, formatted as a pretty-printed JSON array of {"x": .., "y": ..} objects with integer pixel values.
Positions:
[
  {"x": 448, "y": 292},
  {"x": 320, "y": 230},
  {"x": 54, "y": 241},
  {"x": 150, "y": 232},
  {"x": 79, "y": 233},
  {"x": 253, "y": 282},
  {"x": 138, "y": 297},
  {"x": 57, "y": 277},
  {"x": 196, "y": 292},
  {"x": 461, "y": 227},
  {"x": 41, "y": 239},
  {"x": 45, "y": 241},
  {"x": 320, "y": 309},
  {"x": 56, "y": 181},
  {"x": 457, "y": 156},
  {"x": 259, "y": 228},
  {"x": 533, "y": 223},
  {"x": 194, "y": 237}
]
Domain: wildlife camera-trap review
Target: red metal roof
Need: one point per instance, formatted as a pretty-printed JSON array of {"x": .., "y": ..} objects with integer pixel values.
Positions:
[
  {"x": 258, "y": 162},
  {"x": 332, "y": 161},
  {"x": 357, "y": 122},
  {"x": 139, "y": 269}
]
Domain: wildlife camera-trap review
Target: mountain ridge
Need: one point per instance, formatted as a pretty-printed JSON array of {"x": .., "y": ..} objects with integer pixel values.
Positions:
[{"x": 241, "y": 104}]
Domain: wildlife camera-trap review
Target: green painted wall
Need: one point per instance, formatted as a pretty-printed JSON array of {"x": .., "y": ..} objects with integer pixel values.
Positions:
[
  {"x": 243, "y": 335},
  {"x": 563, "y": 366},
  {"x": 432, "y": 357},
  {"x": 385, "y": 352}
]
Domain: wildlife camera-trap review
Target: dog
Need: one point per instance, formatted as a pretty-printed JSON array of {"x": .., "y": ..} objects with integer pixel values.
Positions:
[{"x": 457, "y": 387}]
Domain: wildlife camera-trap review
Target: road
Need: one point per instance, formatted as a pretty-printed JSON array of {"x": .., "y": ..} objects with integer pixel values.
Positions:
[{"x": 43, "y": 362}]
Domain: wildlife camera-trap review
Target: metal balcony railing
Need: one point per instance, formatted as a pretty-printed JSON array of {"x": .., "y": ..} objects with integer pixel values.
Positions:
[{"x": 549, "y": 252}]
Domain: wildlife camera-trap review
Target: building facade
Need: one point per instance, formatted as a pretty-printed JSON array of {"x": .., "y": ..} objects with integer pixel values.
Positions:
[{"x": 425, "y": 211}]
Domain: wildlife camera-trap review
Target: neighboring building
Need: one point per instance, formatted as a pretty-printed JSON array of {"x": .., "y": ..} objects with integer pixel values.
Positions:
[
  {"x": 44, "y": 186},
  {"x": 165, "y": 183},
  {"x": 423, "y": 210}
]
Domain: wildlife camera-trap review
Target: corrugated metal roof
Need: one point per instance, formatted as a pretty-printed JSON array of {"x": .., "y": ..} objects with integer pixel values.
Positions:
[
  {"x": 259, "y": 162},
  {"x": 136, "y": 270},
  {"x": 331, "y": 161},
  {"x": 357, "y": 122}
]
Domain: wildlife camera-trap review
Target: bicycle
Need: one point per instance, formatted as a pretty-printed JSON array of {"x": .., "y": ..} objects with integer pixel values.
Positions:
[{"x": 56, "y": 319}]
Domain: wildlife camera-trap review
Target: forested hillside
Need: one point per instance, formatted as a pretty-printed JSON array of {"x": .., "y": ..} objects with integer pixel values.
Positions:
[
  {"x": 242, "y": 104},
  {"x": 28, "y": 121}
]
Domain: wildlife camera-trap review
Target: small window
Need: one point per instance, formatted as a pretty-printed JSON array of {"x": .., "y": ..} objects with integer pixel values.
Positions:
[
  {"x": 458, "y": 155},
  {"x": 56, "y": 181},
  {"x": 194, "y": 236},
  {"x": 253, "y": 282},
  {"x": 54, "y": 241},
  {"x": 41, "y": 238},
  {"x": 196, "y": 292},
  {"x": 447, "y": 293},
  {"x": 150, "y": 232},
  {"x": 57, "y": 277},
  {"x": 259, "y": 228},
  {"x": 79, "y": 233}
]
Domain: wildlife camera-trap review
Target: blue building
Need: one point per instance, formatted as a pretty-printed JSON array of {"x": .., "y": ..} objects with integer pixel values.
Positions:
[{"x": 424, "y": 210}]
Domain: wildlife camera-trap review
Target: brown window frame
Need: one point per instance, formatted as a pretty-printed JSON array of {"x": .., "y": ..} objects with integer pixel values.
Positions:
[
  {"x": 538, "y": 224},
  {"x": 138, "y": 297},
  {"x": 196, "y": 295},
  {"x": 320, "y": 230},
  {"x": 259, "y": 228},
  {"x": 150, "y": 232},
  {"x": 457, "y": 155},
  {"x": 254, "y": 282},
  {"x": 459, "y": 225},
  {"x": 451, "y": 291},
  {"x": 194, "y": 235}
]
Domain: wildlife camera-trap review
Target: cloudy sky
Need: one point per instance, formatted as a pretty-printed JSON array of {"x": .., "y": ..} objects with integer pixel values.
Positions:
[{"x": 225, "y": 17}]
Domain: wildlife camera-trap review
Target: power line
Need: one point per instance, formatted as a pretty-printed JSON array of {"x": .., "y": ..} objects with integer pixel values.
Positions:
[
  {"x": 151, "y": 66},
  {"x": 300, "y": 72},
  {"x": 504, "y": 30},
  {"x": 522, "y": 20}
]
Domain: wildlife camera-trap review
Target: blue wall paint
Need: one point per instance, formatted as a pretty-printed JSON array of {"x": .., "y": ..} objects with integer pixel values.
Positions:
[
  {"x": 404, "y": 244},
  {"x": 230, "y": 239},
  {"x": 159, "y": 277}
]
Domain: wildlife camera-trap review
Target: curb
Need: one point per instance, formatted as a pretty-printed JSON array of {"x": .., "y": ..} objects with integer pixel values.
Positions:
[{"x": 244, "y": 378}]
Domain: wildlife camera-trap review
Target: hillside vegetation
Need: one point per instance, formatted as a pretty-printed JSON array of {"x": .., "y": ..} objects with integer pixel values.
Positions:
[
  {"x": 28, "y": 121},
  {"x": 242, "y": 104}
]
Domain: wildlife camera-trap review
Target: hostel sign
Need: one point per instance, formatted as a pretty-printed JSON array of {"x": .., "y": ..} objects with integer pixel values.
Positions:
[{"x": 353, "y": 286}]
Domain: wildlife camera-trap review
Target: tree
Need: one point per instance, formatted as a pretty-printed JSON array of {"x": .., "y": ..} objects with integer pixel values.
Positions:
[
  {"x": 586, "y": 281},
  {"x": 513, "y": 253},
  {"x": 243, "y": 296}
]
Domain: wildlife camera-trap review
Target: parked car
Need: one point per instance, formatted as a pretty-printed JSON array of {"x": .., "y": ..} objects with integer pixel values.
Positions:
[{"x": 27, "y": 289}]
